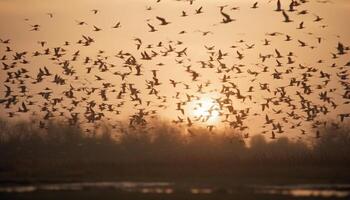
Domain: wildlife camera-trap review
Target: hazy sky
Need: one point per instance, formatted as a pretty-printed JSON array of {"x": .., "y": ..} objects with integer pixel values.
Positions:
[{"x": 245, "y": 35}]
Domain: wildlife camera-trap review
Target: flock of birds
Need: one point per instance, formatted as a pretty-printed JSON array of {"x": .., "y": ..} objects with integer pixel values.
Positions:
[{"x": 278, "y": 90}]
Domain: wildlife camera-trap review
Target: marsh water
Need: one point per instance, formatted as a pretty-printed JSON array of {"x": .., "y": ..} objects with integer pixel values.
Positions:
[{"x": 171, "y": 190}]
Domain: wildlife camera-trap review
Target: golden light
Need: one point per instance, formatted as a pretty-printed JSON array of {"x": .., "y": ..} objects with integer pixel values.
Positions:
[{"x": 205, "y": 110}]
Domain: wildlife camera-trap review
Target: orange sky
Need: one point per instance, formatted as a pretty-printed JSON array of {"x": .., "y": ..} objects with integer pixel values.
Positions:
[{"x": 250, "y": 25}]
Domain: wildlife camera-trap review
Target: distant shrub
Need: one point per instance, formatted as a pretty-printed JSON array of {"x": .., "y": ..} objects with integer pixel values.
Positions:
[{"x": 164, "y": 143}]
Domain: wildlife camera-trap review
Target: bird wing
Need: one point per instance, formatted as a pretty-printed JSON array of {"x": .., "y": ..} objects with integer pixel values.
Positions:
[
  {"x": 286, "y": 17},
  {"x": 161, "y": 19}
]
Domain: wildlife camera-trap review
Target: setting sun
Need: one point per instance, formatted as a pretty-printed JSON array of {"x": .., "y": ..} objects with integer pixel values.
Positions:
[
  {"x": 205, "y": 110},
  {"x": 217, "y": 99}
]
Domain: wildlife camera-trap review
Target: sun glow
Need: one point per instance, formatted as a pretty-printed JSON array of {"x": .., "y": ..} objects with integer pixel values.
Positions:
[{"x": 206, "y": 111}]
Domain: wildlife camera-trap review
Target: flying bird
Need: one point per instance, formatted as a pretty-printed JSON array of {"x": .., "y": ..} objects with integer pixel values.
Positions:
[
  {"x": 152, "y": 28},
  {"x": 163, "y": 21},
  {"x": 286, "y": 17},
  {"x": 117, "y": 25}
]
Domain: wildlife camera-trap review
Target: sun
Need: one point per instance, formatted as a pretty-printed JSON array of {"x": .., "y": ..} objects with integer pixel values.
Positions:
[{"x": 205, "y": 110}]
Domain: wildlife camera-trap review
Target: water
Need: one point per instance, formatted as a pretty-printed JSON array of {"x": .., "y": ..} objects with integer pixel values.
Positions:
[
  {"x": 169, "y": 188},
  {"x": 309, "y": 190},
  {"x": 78, "y": 186}
]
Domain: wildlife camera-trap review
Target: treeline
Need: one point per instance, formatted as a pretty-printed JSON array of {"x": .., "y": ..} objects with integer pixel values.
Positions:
[{"x": 25, "y": 146}]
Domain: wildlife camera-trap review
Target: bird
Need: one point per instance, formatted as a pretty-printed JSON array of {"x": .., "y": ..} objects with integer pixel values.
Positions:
[
  {"x": 318, "y": 18},
  {"x": 189, "y": 122},
  {"x": 95, "y": 11},
  {"x": 227, "y": 18},
  {"x": 97, "y": 29},
  {"x": 199, "y": 10},
  {"x": 255, "y": 5},
  {"x": 278, "y": 7},
  {"x": 210, "y": 127},
  {"x": 340, "y": 48},
  {"x": 286, "y": 17},
  {"x": 163, "y": 21},
  {"x": 50, "y": 15},
  {"x": 273, "y": 135},
  {"x": 302, "y": 44},
  {"x": 8, "y": 91},
  {"x": 117, "y": 25},
  {"x": 152, "y": 28},
  {"x": 81, "y": 23},
  {"x": 301, "y": 25}
]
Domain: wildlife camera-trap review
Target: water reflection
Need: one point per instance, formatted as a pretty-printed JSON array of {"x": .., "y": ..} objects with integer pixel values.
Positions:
[
  {"x": 315, "y": 190},
  {"x": 318, "y": 191},
  {"x": 156, "y": 187},
  {"x": 157, "y": 190},
  {"x": 201, "y": 190}
]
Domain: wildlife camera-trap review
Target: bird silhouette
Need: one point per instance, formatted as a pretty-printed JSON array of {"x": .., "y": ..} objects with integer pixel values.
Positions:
[
  {"x": 278, "y": 6},
  {"x": 255, "y": 5},
  {"x": 117, "y": 25},
  {"x": 163, "y": 21},
  {"x": 152, "y": 28},
  {"x": 199, "y": 10},
  {"x": 286, "y": 17},
  {"x": 227, "y": 18}
]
